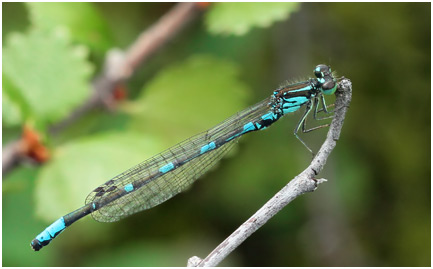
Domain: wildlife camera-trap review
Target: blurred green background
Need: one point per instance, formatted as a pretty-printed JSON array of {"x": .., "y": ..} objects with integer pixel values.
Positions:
[{"x": 373, "y": 211}]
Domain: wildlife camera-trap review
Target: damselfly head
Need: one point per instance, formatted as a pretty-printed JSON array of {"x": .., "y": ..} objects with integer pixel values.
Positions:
[
  {"x": 322, "y": 70},
  {"x": 326, "y": 79}
]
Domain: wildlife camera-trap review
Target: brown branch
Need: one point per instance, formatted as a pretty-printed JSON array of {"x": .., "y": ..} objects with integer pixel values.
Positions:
[
  {"x": 11, "y": 155},
  {"x": 118, "y": 67}
]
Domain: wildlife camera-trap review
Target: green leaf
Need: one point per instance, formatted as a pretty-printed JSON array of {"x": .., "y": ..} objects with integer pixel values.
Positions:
[
  {"x": 48, "y": 76},
  {"x": 83, "y": 20},
  {"x": 238, "y": 18},
  {"x": 79, "y": 167},
  {"x": 11, "y": 110},
  {"x": 188, "y": 98}
]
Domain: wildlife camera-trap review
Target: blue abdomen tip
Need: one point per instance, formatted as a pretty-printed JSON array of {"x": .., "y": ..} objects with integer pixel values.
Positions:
[{"x": 48, "y": 234}]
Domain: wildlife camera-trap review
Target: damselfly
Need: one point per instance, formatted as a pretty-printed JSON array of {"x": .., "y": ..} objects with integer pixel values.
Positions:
[{"x": 166, "y": 174}]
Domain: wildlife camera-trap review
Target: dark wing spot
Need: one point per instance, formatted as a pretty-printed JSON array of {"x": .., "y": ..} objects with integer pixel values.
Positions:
[
  {"x": 112, "y": 188},
  {"x": 98, "y": 189}
]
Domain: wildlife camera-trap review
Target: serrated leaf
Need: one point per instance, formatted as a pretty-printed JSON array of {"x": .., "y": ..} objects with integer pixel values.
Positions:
[
  {"x": 50, "y": 76},
  {"x": 238, "y": 18},
  {"x": 189, "y": 97},
  {"x": 80, "y": 166},
  {"x": 83, "y": 20}
]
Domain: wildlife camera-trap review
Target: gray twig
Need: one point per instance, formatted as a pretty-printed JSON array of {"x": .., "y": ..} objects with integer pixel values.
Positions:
[{"x": 304, "y": 182}]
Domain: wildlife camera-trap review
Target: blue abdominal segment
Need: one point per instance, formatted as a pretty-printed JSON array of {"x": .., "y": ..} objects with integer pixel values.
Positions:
[
  {"x": 166, "y": 168},
  {"x": 248, "y": 127},
  {"x": 128, "y": 187},
  {"x": 207, "y": 147},
  {"x": 245, "y": 129}
]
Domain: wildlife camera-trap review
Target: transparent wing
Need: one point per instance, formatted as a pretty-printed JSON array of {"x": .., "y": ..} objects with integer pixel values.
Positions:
[
  {"x": 162, "y": 188},
  {"x": 159, "y": 189}
]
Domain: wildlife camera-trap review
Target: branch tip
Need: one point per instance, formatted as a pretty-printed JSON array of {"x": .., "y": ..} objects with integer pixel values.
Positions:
[
  {"x": 300, "y": 184},
  {"x": 194, "y": 261}
]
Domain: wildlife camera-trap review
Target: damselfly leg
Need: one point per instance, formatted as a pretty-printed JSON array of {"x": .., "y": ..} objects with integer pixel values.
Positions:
[
  {"x": 303, "y": 121},
  {"x": 323, "y": 109}
]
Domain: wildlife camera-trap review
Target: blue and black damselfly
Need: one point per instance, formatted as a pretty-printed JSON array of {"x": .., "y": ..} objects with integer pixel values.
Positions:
[{"x": 168, "y": 173}]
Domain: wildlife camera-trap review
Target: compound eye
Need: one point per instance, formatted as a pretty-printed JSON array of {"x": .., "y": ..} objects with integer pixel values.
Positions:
[
  {"x": 329, "y": 87},
  {"x": 322, "y": 71}
]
